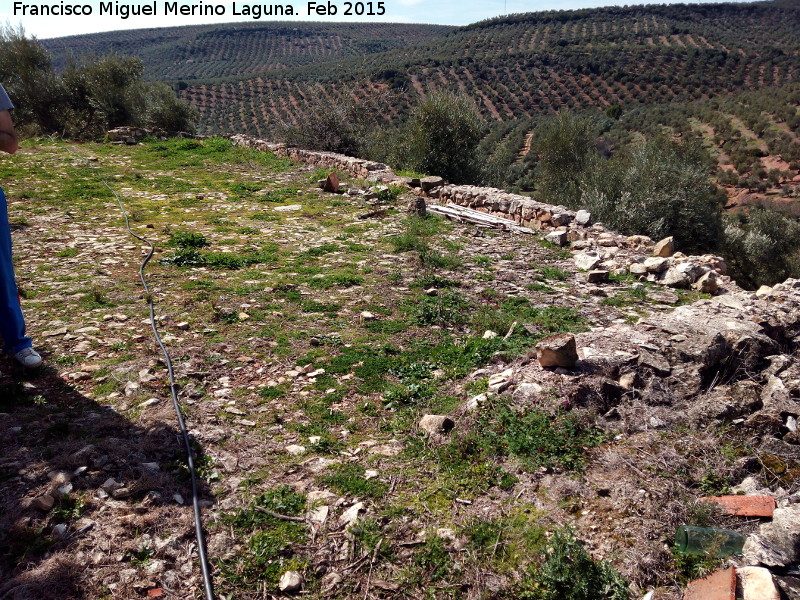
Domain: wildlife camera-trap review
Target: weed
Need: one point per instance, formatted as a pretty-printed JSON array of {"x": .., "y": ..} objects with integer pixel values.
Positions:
[
  {"x": 388, "y": 327},
  {"x": 547, "y": 273},
  {"x": 433, "y": 259},
  {"x": 433, "y": 562},
  {"x": 390, "y": 194},
  {"x": 241, "y": 189},
  {"x": 507, "y": 542},
  {"x": 569, "y": 573},
  {"x": 187, "y": 239},
  {"x": 368, "y": 535},
  {"x": 336, "y": 280},
  {"x": 273, "y": 393},
  {"x": 68, "y": 508},
  {"x": 447, "y": 309},
  {"x": 67, "y": 253},
  {"x": 412, "y": 393},
  {"x": 558, "y": 251},
  {"x": 539, "y": 438},
  {"x": 96, "y": 298},
  {"x": 482, "y": 261},
  {"x": 269, "y": 546},
  {"x": 142, "y": 556},
  {"x": 418, "y": 230},
  {"x": 539, "y": 287},
  {"x": 690, "y": 567},
  {"x": 431, "y": 280},
  {"x": 712, "y": 484}
]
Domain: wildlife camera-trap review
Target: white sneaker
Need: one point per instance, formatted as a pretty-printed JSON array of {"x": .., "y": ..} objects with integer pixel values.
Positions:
[{"x": 29, "y": 358}]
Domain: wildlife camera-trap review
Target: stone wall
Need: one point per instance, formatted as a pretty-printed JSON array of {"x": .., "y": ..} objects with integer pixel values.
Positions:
[{"x": 597, "y": 250}]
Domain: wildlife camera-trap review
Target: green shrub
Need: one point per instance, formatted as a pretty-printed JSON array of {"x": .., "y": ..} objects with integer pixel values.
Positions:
[
  {"x": 657, "y": 188},
  {"x": 569, "y": 573},
  {"x": 442, "y": 138},
  {"x": 90, "y": 96},
  {"x": 187, "y": 239},
  {"x": 565, "y": 145},
  {"x": 762, "y": 248}
]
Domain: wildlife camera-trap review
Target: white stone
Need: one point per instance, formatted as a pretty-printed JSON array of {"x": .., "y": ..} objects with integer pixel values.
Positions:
[
  {"x": 296, "y": 449},
  {"x": 500, "y": 381},
  {"x": 755, "y": 583},
  {"x": 291, "y": 581},
  {"x": 436, "y": 424},
  {"x": 350, "y": 516},
  {"x": 586, "y": 261}
]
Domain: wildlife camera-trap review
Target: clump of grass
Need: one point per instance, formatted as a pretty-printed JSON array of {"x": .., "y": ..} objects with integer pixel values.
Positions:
[
  {"x": 447, "y": 309},
  {"x": 96, "y": 298},
  {"x": 343, "y": 280},
  {"x": 270, "y": 540},
  {"x": 349, "y": 479},
  {"x": 418, "y": 231},
  {"x": 187, "y": 239},
  {"x": 432, "y": 562},
  {"x": 570, "y": 573},
  {"x": 243, "y": 189},
  {"x": 191, "y": 257},
  {"x": 547, "y": 273},
  {"x": 433, "y": 259},
  {"x": 539, "y": 438}
]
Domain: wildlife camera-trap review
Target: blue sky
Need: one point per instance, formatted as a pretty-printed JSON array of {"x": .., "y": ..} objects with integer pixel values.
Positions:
[{"x": 444, "y": 12}]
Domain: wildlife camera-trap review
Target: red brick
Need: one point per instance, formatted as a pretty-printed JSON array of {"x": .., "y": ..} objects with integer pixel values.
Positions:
[
  {"x": 720, "y": 585},
  {"x": 744, "y": 506}
]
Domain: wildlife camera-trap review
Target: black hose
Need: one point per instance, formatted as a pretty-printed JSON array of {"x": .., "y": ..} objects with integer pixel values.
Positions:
[{"x": 198, "y": 524}]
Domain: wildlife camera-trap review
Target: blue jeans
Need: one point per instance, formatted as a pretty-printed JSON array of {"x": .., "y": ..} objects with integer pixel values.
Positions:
[{"x": 12, "y": 323}]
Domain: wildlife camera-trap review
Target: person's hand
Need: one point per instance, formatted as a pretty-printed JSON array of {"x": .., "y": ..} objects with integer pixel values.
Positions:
[{"x": 8, "y": 137}]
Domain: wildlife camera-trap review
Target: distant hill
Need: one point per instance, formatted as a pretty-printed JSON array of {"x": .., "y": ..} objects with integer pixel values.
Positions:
[
  {"x": 524, "y": 65},
  {"x": 208, "y": 52}
]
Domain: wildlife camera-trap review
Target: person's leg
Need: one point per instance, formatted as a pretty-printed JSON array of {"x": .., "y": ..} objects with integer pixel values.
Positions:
[{"x": 12, "y": 323}]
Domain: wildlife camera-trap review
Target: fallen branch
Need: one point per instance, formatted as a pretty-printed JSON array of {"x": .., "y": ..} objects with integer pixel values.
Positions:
[{"x": 272, "y": 513}]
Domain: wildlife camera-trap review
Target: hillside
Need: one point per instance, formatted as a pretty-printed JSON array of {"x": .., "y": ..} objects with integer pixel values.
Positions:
[
  {"x": 513, "y": 67},
  {"x": 521, "y": 67},
  {"x": 237, "y": 50},
  {"x": 311, "y": 334}
]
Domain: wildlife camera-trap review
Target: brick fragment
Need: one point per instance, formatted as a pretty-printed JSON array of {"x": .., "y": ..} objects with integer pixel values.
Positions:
[
  {"x": 720, "y": 585},
  {"x": 744, "y": 506}
]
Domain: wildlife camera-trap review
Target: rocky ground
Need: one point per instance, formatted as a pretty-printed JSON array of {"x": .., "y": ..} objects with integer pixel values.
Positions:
[{"x": 361, "y": 387}]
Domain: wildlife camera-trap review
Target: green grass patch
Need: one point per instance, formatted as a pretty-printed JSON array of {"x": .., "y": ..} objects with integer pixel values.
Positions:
[
  {"x": 538, "y": 438},
  {"x": 271, "y": 542},
  {"x": 187, "y": 239},
  {"x": 349, "y": 479}
]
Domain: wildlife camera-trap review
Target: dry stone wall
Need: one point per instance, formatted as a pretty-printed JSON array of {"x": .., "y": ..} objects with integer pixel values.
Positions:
[{"x": 597, "y": 250}]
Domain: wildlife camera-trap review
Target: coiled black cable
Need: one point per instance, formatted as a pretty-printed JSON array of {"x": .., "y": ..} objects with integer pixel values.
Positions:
[{"x": 198, "y": 524}]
